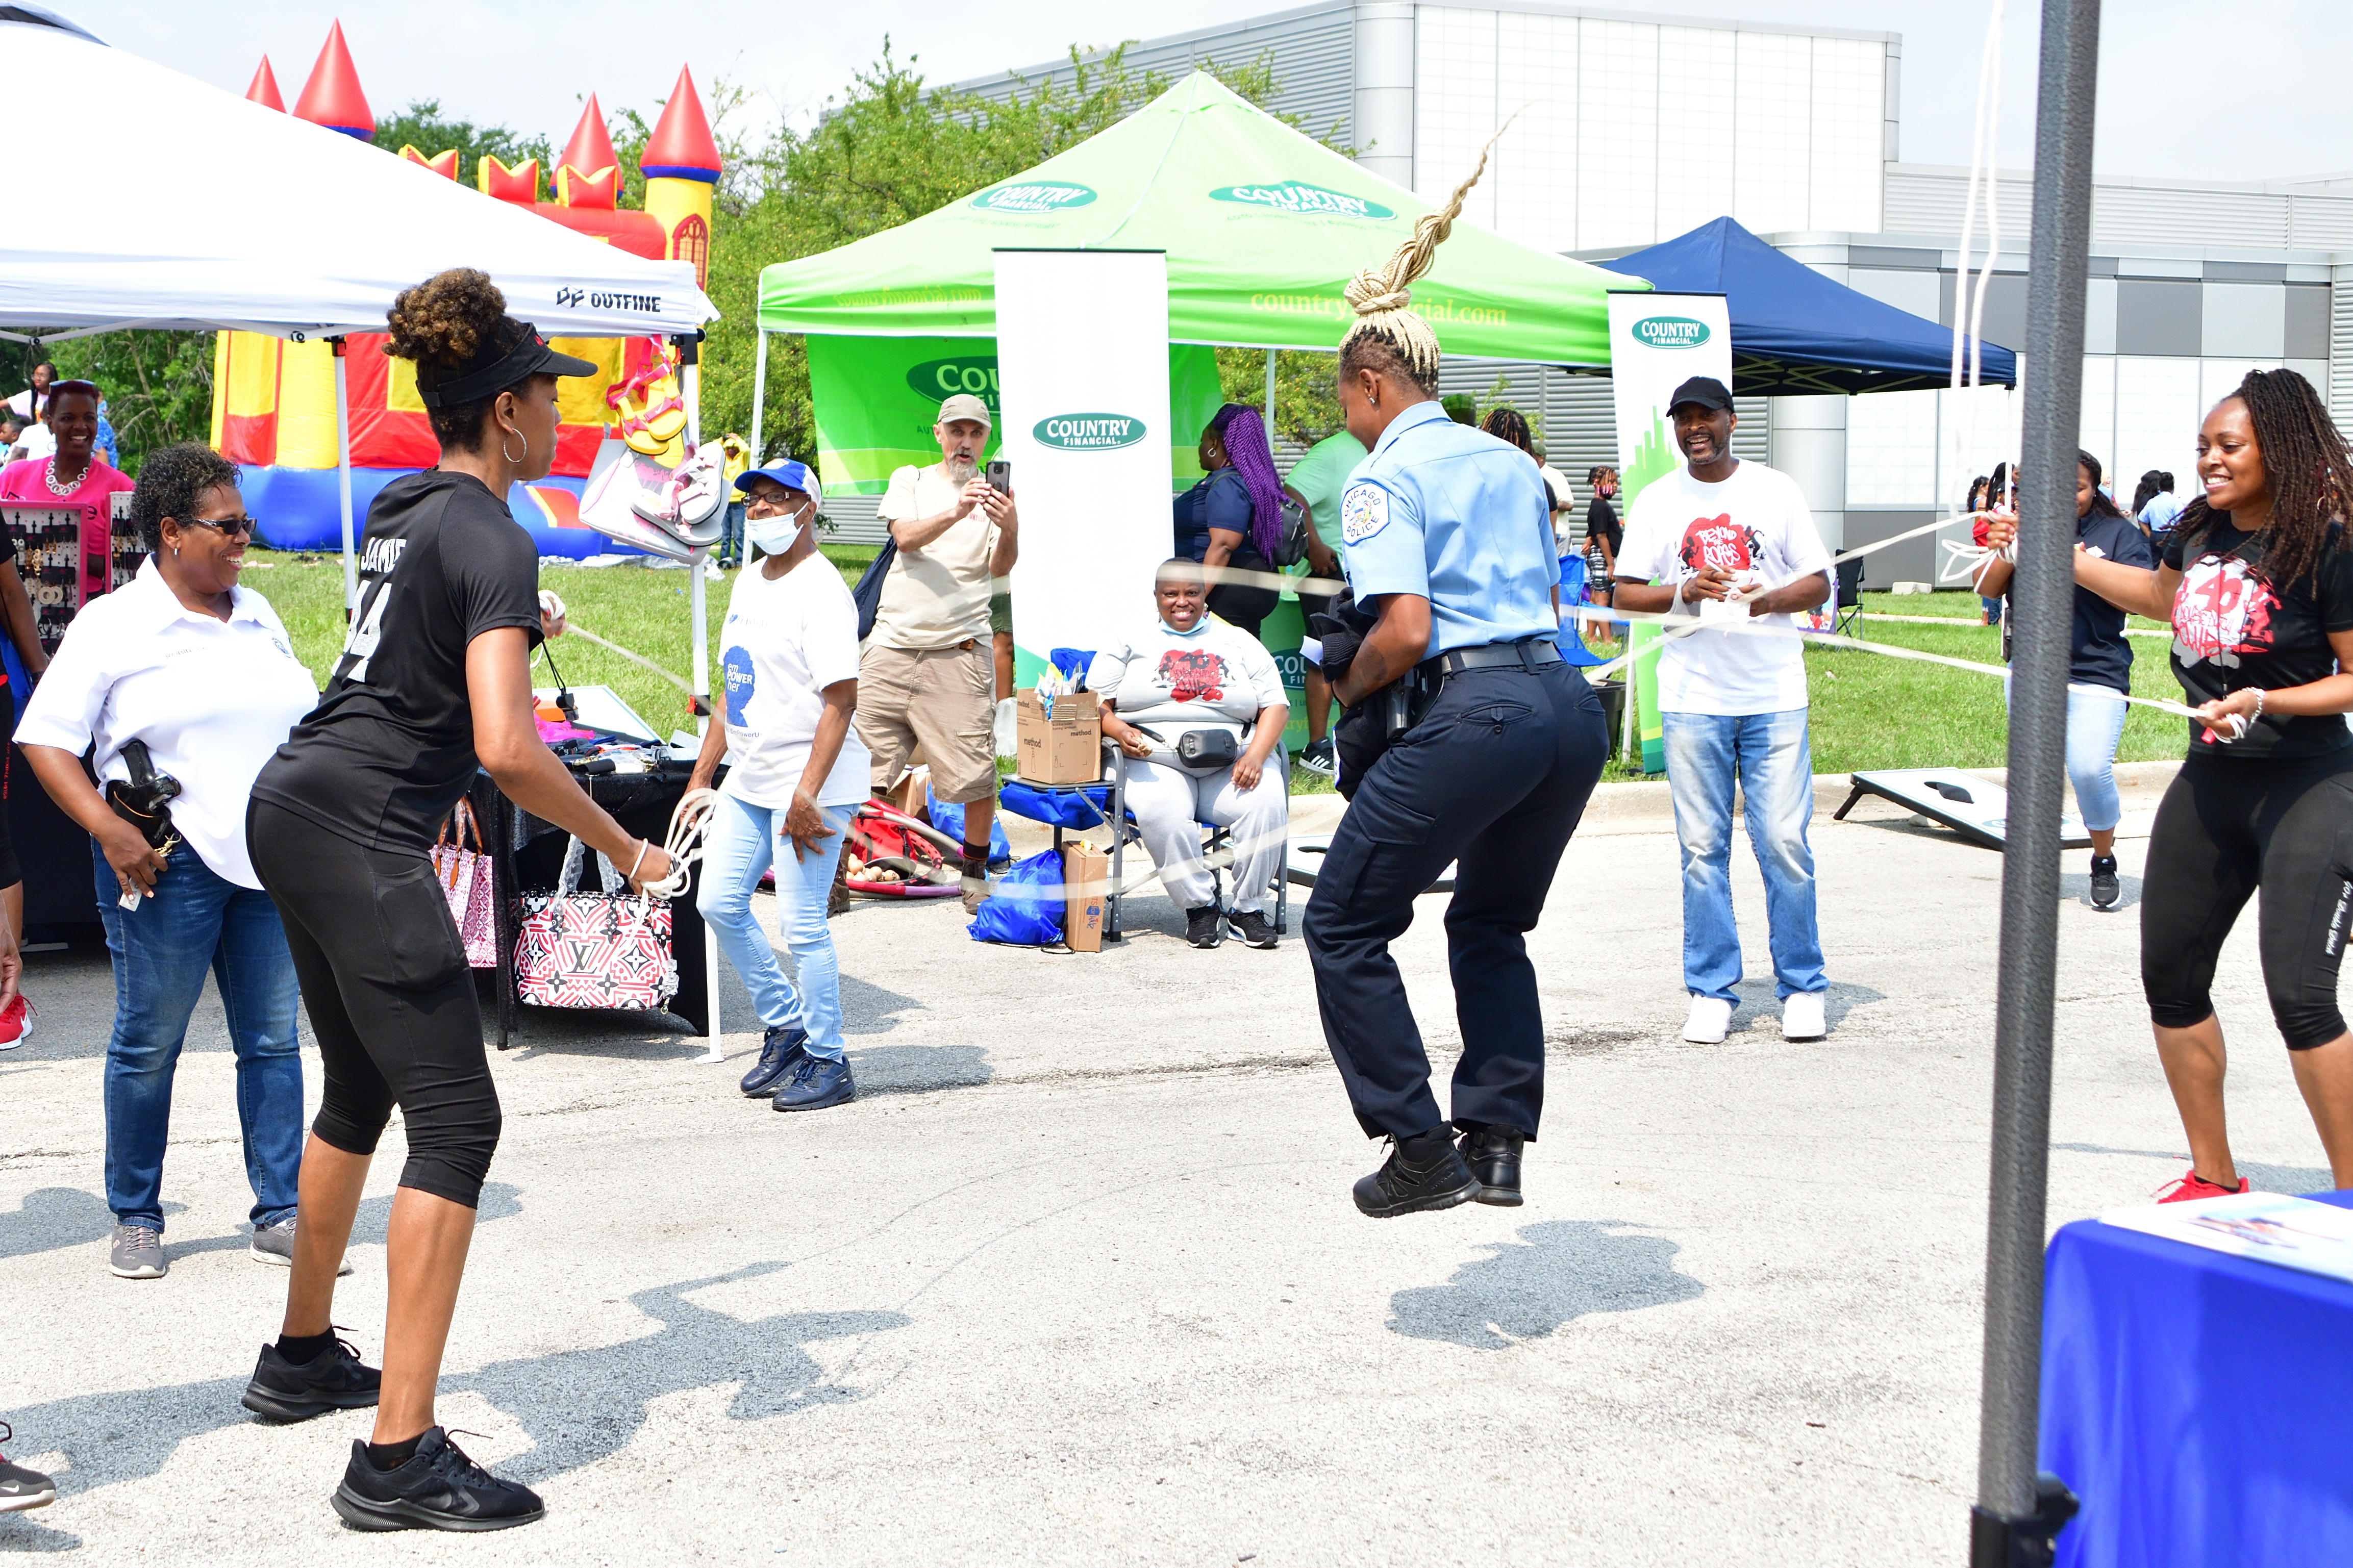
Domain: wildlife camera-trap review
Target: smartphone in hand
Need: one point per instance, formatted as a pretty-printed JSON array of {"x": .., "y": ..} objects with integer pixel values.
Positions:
[{"x": 1000, "y": 476}]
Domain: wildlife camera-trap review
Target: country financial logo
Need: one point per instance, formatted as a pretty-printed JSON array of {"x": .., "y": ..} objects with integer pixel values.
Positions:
[
  {"x": 1671, "y": 332},
  {"x": 1303, "y": 200},
  {"x": 940, "y": 379},
  {"x": 1088, "y": 432},
  {"x": 1033, "y": 197}
]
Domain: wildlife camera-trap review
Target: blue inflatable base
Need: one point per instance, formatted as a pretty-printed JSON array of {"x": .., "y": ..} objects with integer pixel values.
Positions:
[{"x": 299, "y": 509}]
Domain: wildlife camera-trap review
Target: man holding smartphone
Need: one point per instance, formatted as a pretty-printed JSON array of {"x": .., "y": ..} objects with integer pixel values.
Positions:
[{"x": 927, "y": 675}]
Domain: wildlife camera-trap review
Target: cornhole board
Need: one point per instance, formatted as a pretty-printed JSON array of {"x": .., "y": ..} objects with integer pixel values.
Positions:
[
  {"x": 1306, "y": 858},
  {"x": 1971, "y": 807}
]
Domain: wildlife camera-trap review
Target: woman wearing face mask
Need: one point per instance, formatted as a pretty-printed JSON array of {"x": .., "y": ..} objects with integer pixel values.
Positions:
[{"x": 789, "y": 659}]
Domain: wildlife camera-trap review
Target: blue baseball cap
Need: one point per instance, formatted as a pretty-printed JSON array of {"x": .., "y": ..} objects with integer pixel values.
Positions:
[{"x": 792, "y": 475}]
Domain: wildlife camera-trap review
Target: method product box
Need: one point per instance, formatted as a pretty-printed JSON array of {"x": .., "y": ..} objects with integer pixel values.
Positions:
[
  {"x": 1061, "y": 746},
  {"x": 1086, "y": 881}
]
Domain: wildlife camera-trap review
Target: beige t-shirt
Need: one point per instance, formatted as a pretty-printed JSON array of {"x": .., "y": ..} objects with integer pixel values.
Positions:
[{"x": 938, "y": 596}]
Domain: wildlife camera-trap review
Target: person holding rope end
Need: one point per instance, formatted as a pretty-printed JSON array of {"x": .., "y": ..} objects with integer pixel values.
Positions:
[
  {"x": 1486, "y": 745},
  {"x": 2099, "y": 654},
  {"x": 434, "y": 681},
  {"x": 1729, "y": 539},
  {"x": 2257, "y": 582}
]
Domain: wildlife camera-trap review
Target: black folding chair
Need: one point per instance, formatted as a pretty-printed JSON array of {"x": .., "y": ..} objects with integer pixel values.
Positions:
[{"x": 1848, "y": 609}]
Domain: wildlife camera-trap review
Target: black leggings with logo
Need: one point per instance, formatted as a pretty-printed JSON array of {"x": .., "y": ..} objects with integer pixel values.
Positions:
[
  {"x": 385, "y": 983},
  {"x": 2226, "y": 826}
]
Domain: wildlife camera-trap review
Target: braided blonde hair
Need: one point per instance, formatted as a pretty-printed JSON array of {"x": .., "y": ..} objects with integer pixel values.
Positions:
[{"x": 1381, "y": 297}]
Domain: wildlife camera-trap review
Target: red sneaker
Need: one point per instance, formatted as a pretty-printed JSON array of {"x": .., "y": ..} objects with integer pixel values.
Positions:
[
  {"x": 16, "y": 1023},
  {"x": 2190, "y": 1185}
]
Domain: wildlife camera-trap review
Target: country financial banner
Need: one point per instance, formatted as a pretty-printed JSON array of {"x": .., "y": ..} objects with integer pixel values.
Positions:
[
  {"x": 1658, "y": 342},
  {"x": 1082, "y": 357}
]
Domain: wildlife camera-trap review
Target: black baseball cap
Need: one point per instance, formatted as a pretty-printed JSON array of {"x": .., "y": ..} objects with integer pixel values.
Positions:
[
  {"x": 1704, "y": 390},
  {"x": 493, "y": 370}
]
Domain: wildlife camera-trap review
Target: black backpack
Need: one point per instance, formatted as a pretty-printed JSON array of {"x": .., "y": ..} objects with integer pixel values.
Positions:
[{"x": 1291, "y": 548}]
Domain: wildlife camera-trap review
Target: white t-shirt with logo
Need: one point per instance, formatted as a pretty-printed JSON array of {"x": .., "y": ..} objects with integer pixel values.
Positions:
[
  {"x": 1757, "y": 522},
  {"x": 782, "y": 644}
]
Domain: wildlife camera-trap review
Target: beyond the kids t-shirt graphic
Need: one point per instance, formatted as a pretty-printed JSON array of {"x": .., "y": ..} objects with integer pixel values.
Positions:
[
  {"x": 1721, "y": 543},
  {"x": 1193, "y": 675},
  {"x": 737, "y": 663},
  {"x": 2221, "y": 611}
]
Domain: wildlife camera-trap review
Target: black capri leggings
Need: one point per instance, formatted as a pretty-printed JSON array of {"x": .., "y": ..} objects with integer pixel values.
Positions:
[
  {"x": 2225, "y": 827},
  {"x": 384, "y": 979}
]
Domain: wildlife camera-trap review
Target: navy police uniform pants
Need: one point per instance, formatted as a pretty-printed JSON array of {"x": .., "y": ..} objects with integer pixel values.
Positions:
[{"x": 1493, "y": 778}]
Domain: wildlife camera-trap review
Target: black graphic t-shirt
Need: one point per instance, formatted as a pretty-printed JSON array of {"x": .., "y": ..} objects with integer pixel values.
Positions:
[
  {"x": 390, "y": 747},
  {"x": 2233, "y": 630}
]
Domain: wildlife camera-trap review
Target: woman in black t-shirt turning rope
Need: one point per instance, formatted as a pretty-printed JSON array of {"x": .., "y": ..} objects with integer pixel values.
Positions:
[
  {"x": 434, "y": 680},
  {"x": 2257, "y": 582}
]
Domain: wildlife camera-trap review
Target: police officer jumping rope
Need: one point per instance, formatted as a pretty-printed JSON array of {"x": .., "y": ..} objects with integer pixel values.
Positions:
[{"x": 1468, "y": 739}]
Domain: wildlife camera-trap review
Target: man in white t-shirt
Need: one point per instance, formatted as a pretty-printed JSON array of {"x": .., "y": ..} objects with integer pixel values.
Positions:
[
  {"x": 928, "y": 675},
  {"x": 1728, "y": 541}
]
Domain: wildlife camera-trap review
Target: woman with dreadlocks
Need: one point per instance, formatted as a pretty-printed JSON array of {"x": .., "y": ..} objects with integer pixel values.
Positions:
[
  {"x": 1472, "y": 742},
  {"x": 2258, "y": 584}
]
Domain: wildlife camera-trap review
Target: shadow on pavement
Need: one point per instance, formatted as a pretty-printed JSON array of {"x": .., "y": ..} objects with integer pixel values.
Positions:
[
  {"x": 500, "y": 1200},
  {"x": 1556, "y": 1271},
  {"x": 1757, "y": 1002},
  {"x": 52, "y": 1217},
  {"x": 867, "y": 1008},
  {"x": 23, "y": 1532},
  {"x": 2076, "y": 888},
  {"x": 580, "y": 1406},
  {"x": 914, "y": 1070},
  {"x": 2294, "y": 1181}
]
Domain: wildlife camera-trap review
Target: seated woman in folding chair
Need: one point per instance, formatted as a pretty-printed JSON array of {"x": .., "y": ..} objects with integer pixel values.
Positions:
[{"x": 1190, "y": 672}]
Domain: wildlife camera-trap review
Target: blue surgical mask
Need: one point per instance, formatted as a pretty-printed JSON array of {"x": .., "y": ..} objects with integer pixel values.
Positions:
[{"x": 776, "y": 535}]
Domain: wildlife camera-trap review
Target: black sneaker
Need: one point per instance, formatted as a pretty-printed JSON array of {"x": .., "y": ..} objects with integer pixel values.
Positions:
[
  {"x": 2105, "y": 891},
  {"x": 1253, "y": 928},
  {"x": 437, "y": 1487},
  {"x": 1318, "y": 758},
  {"x": 21, "y": 1488},
  {"x": 780, "y": 1051},
  {"x": 1423, "y": 1172},
  {"x": 1493, "y": 1156},
  {"x": 334, "y": 1380},
  {"x": 1205, "y": 927},
  {"x": 818, "y": 1084}
]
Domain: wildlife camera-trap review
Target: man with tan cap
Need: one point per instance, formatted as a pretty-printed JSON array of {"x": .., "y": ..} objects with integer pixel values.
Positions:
[{"x": 927, "y": 676}]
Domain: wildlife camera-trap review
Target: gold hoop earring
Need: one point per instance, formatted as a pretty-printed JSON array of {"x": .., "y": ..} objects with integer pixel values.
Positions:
[{"x": 526, "y": 450}]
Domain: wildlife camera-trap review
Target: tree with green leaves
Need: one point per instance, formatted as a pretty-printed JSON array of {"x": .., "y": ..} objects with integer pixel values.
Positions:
[{"x": 423, "y": 126}]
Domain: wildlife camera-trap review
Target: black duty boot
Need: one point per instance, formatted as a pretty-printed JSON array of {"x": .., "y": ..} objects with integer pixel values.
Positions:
[
  {"x": 1493, "y": 1156},
  {"x": 1423, "y": 1172}
]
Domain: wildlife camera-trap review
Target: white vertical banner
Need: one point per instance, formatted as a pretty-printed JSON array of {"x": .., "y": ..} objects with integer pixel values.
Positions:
[
  {"x": 1658, "y": 342},
  {"x": 1083, "y": 379}
]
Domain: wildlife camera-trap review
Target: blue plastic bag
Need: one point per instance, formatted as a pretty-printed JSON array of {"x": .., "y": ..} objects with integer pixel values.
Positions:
[
  {"x": 1073, "y": 662},
  {"x": 949, "y": 819},
  {"x": 1025, "y": 907}
]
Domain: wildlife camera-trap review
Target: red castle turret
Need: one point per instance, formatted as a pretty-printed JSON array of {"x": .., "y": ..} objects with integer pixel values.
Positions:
[
  {"x": 681, "y": 147},
  {"x": 332, "y": 97},
  {"x": 264, "y": 90},
  {"x": 587, "y": 176}
]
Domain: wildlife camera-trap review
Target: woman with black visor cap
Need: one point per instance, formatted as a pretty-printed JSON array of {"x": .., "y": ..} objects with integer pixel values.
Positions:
[{"x": 434, "y": 680}]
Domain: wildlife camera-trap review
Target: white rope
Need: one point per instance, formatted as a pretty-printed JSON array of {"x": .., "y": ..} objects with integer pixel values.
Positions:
[{"x": 683, "y": 844}]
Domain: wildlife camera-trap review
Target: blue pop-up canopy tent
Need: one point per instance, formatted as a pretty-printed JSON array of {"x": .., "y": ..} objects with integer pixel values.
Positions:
[{"x": 1797, "y": 332}]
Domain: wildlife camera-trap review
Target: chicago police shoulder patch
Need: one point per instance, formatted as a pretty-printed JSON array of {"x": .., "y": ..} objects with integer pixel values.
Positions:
[{"x": 1364, "y": 512}]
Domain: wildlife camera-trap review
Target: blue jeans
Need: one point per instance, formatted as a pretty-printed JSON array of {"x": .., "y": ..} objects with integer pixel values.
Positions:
[
  {"x": 744, "y": 841},
  {"x": 198, "y": 922},
  {"x": 731, "y": 540},
  {"x": 2094, "y": 725},
  {"x": 1772, "y": 757}
]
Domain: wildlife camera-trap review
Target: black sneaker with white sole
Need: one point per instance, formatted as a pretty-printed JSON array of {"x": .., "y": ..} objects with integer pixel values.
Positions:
[
  {"x": 2106, "y": 888},
  {"x": 437, "y": 1487},
  {"x": 22, "y": 1489},
  {"x": 335, "y": 1379},
  {"x": 1320, "y": 759},
  {"x": 1253, "y": 928},
  {"x": 1205, "y": 927}
]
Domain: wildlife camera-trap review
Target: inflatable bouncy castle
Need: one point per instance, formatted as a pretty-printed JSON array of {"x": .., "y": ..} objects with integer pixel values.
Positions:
[{"x": 274, "y": 401}]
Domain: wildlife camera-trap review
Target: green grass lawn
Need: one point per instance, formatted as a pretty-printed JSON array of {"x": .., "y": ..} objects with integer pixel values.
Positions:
[{"x": 1869, "y": 711}]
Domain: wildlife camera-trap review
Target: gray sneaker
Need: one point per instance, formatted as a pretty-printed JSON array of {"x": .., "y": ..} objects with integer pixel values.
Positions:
[
  {"x": 274, "y": 1244},
  {"x": 21, "y": 1488},
  {"x": 137, "y": 1253}
]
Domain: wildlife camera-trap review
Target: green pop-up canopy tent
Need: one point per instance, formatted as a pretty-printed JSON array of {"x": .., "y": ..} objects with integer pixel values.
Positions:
[{"x": 1263, "y": 227}]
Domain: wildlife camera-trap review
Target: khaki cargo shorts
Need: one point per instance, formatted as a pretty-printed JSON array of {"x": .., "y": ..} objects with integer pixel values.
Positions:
[{"x": 942, "y": 699}]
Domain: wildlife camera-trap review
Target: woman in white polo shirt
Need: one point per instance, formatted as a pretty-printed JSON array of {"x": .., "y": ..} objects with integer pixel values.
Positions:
[{"x": 202, "y": 672}]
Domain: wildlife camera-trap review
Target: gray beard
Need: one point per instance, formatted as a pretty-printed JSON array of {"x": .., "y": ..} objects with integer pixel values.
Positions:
[{"x": 962, "y": 468}]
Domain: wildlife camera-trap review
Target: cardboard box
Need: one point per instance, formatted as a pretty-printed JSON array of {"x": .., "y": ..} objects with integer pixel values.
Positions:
[
  {"x": 1086, "y": 877},
  {"x": 1064, "y": 749},
  {"x": 907, "y": 794}
]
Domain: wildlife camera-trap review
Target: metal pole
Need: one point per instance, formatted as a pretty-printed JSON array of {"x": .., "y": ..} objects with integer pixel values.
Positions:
[
  {"x": 2016, "y": 1518},
  {"x": 1270, "y": 400},
  {"x": 344, "y": 477},
  {"x": 759, "y": 402},
  {"x": 690, "y": 355}
]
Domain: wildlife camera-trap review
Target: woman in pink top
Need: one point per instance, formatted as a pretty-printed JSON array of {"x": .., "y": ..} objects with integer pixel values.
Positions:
[{"x": 73, "y": 476}]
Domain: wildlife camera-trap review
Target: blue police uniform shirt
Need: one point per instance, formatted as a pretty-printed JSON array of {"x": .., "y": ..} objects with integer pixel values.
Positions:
[{"x": 1461, "y": 519}]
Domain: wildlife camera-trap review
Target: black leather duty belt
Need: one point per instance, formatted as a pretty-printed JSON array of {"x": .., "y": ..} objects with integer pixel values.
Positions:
[{"x": 1529, "y": 655}]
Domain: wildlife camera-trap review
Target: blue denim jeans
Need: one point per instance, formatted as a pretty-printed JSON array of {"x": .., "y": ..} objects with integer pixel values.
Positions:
[
  {"x": 2094, "y": 725},
  {"x": 1772, "y": 758},
  {"x": 198, "y": 922},
  {"x": 744, "y": 842},
  {"x": 731, "y": 540}
]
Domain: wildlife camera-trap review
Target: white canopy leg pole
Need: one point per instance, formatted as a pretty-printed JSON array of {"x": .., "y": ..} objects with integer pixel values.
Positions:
[
  {"x": 1270, "y": 400},
  {"x": 759, "y": 402},
  {"x": 690, "y": 373},
  {"x": 344, "y": 479}
]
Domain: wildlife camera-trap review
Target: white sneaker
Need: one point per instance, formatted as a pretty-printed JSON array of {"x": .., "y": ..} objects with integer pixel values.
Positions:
[
  {"x": 1801, "y": 1016},
  {"x": 1710, "y": 1019}
]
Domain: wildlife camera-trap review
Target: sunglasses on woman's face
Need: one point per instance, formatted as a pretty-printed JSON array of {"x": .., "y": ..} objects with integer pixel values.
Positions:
[{"x": 245, "y": 525}]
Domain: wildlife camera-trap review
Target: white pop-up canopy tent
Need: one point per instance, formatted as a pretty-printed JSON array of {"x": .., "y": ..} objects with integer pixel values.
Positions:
[{"x": 186, "y": 207}]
